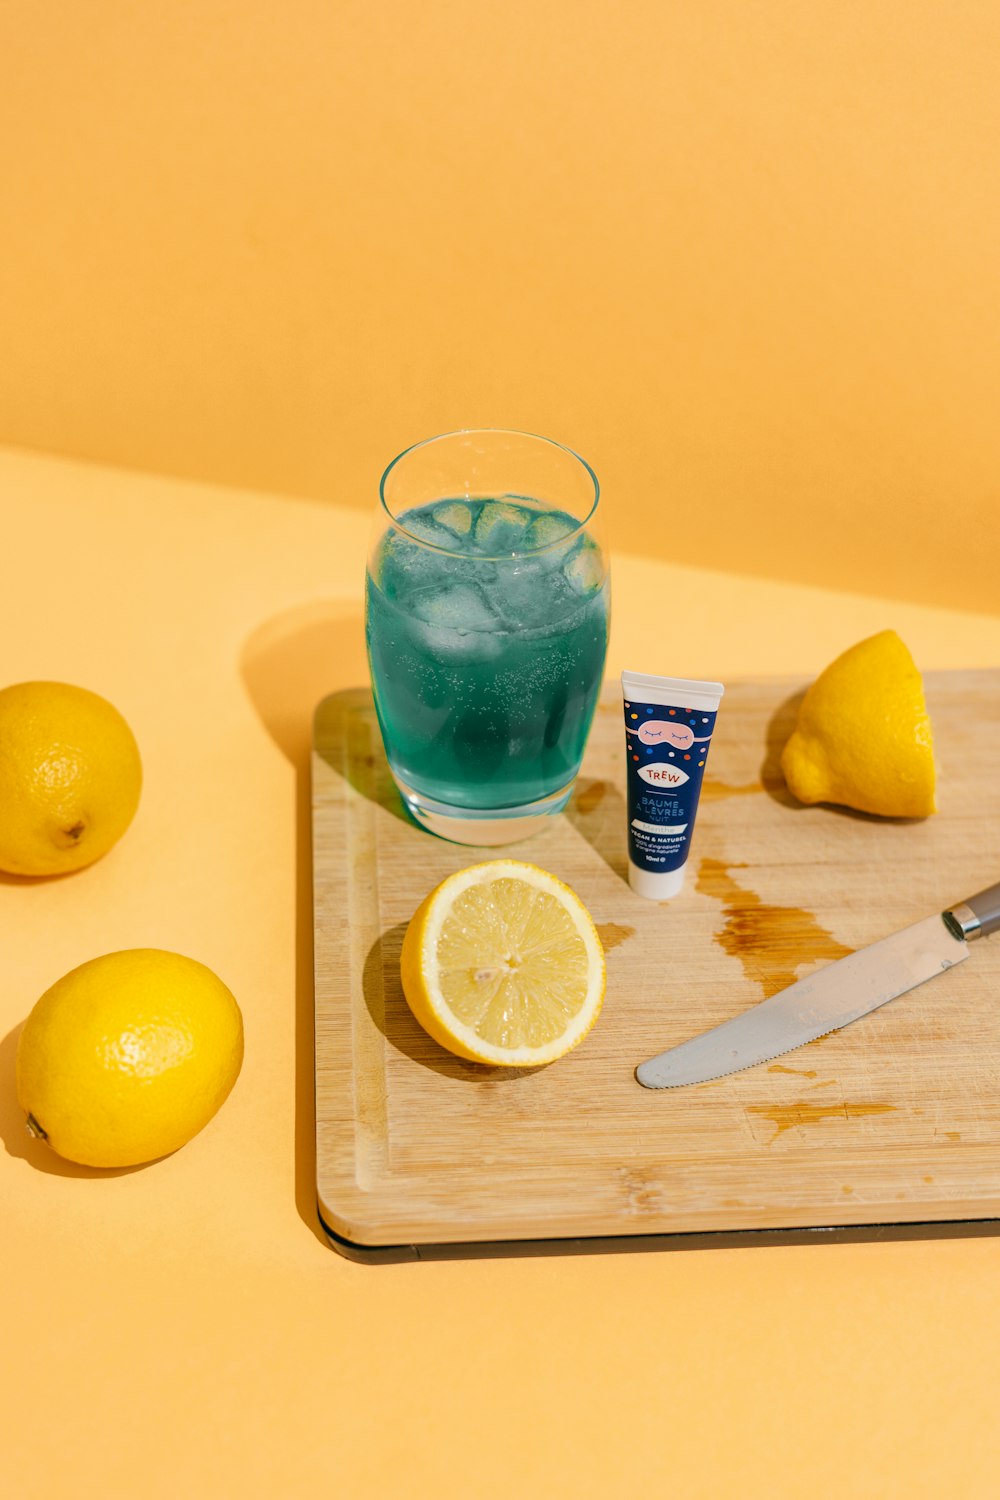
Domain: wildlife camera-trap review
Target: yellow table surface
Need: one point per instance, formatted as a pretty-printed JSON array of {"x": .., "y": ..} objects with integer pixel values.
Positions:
[{"x": 181, "y": 1329}]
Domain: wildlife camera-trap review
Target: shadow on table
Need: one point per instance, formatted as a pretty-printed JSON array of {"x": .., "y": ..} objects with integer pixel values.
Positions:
[
  {"x": 383, "y": 991},
  {"x": 8, "y": 879},
  {"x": 779, "y": 729},
  {"x": 288, "y": 666},
  {"x": 597, "y": 812},
  {"x": 345, "y": 733}
]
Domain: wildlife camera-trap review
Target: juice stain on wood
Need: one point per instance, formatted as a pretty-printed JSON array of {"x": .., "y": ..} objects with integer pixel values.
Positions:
[
  {"x": 590, "y": 795},
  {"x": 715, "y": 791},
  {"x": 771, "y": 942},
  {"x": 787, "y": 1116},
  {"x": 801, "y": 1072},
  {"x": 612, "y": 934}
]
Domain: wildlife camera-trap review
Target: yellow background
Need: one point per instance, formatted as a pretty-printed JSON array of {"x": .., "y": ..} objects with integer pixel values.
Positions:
[{"x": 742, "y": 257}]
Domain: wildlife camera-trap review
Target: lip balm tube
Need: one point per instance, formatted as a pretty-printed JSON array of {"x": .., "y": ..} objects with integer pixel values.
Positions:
[{"x": 668, "y": 730}]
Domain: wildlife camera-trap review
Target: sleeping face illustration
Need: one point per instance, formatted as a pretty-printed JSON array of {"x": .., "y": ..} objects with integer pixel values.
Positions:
[{"x": 667, "y": 732}]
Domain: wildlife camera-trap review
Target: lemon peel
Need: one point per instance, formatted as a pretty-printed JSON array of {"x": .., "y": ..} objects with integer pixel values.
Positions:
[
  {"x": 70, "y": 777},
  {"x": 128, "y": 1056},
  {"x": 863, "y": 737}
]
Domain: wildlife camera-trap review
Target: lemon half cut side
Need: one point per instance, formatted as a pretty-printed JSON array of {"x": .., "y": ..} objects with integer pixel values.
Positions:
[{"x": 502, "y": 964}]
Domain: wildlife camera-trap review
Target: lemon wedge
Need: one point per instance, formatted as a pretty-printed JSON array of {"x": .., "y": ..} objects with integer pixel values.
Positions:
[
  {"x": 502, "y": 964},
  {"x": 863, "y": 737}
]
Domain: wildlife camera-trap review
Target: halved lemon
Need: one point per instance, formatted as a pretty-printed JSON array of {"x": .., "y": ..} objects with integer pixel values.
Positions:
[
  {"x": 502, "y": 964},
  {"x": 863, "y": 737}
]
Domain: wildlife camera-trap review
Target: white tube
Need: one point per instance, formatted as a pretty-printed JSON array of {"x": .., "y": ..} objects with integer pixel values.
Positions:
[{"x": 669, "y": 723}]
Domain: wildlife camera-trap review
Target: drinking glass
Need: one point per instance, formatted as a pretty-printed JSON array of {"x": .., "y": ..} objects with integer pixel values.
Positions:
[{"x": 487, "y": 599}]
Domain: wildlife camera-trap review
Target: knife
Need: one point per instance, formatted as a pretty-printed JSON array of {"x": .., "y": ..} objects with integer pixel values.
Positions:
[{"x": 829, "y": 999}]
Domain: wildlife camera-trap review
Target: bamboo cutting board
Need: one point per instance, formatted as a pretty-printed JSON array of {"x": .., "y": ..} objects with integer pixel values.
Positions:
[{"x": 891, "y": 1122}]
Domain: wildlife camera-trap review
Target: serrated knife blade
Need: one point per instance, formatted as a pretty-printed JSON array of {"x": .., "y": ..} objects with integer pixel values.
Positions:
[{"x": 831, "y": 998}]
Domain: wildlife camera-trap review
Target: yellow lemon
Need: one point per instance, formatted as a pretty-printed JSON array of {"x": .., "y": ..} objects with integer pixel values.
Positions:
[
  {"x": 863, "y": 736},
  {"x": 127, "y": 1057},
  {"x": 70, "y": 777},
  {"x": 502, "y": 964}
]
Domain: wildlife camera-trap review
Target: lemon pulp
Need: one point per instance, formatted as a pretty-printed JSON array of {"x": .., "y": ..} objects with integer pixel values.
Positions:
[
  {"x": 502, "y": 964},
  {"x": 512, "y": 964}
]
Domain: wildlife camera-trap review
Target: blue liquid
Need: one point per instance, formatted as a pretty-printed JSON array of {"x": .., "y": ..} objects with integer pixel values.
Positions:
[{"x": 486, "y": 668}]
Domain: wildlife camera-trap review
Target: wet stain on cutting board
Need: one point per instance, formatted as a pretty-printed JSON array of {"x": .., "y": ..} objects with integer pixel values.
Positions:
[
  {"x": 714, "y": 791},
  {"x": 590, "y": 795},
  {"x": 787, "y": 1116},
  {"x": 771, "y": 942},
  {"x": 612, "y": 934}
]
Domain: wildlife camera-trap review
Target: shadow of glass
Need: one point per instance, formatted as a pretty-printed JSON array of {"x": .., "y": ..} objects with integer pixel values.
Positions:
[
  {"x": 346, "y": 737},
  {"x": 597, "y": 812},
  {"x": 293, "y": 661},
  {"x": 18, "y": 1141},
  {"x": 288, "y": 666},
  {"x": 383, "y": 991}
]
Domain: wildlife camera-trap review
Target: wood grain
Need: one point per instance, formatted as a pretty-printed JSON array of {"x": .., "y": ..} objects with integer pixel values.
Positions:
[{"x": 895, "y": 1119}]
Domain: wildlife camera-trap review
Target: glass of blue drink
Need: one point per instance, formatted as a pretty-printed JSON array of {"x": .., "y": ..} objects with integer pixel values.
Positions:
[{"x": 487, "y": 627}]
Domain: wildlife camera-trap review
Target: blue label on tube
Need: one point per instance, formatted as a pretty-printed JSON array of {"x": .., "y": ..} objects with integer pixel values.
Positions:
[{"x": 666, "y": 748}]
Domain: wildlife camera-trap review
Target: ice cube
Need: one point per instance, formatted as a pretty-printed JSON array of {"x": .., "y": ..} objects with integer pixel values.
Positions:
[
  {"x": 456, "y": 623},
  {"x": 402, "y": 565},
  {"x": 421, "y": 524},
  {"x": 522, "y": 595},
  {"x": 546, "y": 529},
  {"x": 501, "y": 528},
  {"x": 584, "y": 570},
  {"x": 459, "y": 606},
  {"x": 455, "y": 516}
]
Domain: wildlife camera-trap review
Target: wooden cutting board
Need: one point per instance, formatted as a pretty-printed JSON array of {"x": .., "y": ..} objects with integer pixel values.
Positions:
[{"x": 890, "y": 1126}]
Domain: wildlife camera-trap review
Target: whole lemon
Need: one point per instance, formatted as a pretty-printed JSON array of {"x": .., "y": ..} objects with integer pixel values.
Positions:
[
  {"x": 863, "y": 737},
  {"x": 128, "y": 1056},
  {"x": 70, "y": 777}
]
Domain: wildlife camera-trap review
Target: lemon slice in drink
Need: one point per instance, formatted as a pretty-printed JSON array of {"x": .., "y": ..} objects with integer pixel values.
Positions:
[{"x": 502, "y": 964}]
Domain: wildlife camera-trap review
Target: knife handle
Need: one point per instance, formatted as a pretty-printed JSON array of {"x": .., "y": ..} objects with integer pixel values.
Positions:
[{"x": 978, "y": 916}]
